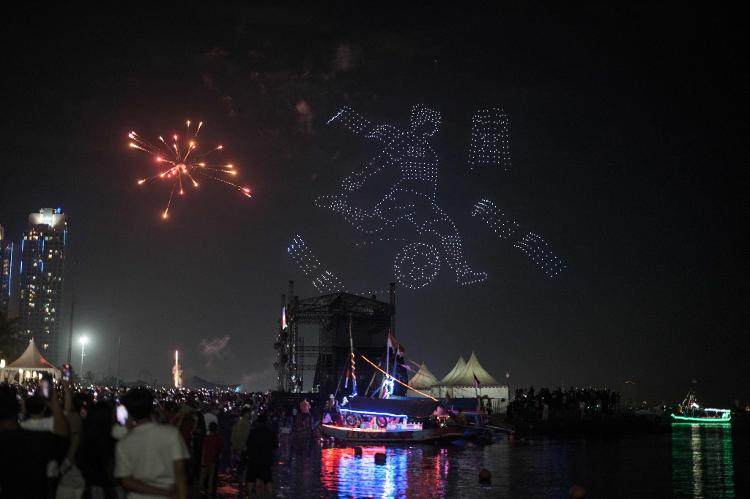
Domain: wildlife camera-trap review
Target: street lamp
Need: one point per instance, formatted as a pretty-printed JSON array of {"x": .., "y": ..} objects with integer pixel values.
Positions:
[{"x": 83, "y": 340}]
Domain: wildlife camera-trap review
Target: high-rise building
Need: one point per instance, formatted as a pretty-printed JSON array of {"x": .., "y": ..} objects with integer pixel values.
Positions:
[
  {"x": 6, "y": 271},
  {"x": 41, "y": 279}
]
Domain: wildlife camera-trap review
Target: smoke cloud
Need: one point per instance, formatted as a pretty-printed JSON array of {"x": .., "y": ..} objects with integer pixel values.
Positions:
[{"x": 214, "y": 349}]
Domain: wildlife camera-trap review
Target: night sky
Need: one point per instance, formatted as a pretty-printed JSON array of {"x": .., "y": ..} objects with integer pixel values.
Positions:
[{"x": 626, "y": 126}]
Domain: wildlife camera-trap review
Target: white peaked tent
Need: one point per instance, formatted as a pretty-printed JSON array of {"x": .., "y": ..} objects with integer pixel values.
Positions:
[
  {"x": 29, "y": 363},
  {"x": 462, "y": 384},
  {"x": 423, "y": 380},
  {"x": 457, "y": 370},
  {"x": 473, "y": 368}
]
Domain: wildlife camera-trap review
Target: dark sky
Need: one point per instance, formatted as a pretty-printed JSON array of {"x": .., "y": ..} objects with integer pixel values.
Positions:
[{"x": 627, "y": 126}]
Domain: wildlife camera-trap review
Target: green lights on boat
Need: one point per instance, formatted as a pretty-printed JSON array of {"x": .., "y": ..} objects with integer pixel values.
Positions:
[{"x": 688, "y": 419}]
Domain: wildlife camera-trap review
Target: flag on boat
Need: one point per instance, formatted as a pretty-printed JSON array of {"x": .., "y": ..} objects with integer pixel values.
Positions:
[{"x": 394, "y": 345}]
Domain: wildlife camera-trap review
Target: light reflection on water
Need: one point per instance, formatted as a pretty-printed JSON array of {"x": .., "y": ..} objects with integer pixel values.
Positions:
[
  {"x": 702, "y": 461},
  {"x": 354, "y": 476},
  {"x": 690, "y": 462}
]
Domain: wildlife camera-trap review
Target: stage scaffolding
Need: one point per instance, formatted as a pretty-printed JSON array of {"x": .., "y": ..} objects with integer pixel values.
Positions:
[{"x": 329, "y": 360}]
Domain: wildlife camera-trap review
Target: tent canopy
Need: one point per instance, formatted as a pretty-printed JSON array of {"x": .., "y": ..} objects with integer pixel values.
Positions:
[
  {"x": 457, "y": 370},
  {"x": 471, "y": 369},
  {"x": 31, "y": 359},
  {"x": 423, "y": 378}
]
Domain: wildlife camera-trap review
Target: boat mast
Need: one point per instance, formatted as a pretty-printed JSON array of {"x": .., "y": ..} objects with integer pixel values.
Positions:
[
  {"x": 383, "y": 390},
  {"x": 353, "y": 367}
]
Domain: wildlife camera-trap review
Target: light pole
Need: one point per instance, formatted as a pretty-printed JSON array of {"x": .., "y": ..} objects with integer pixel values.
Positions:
[
  {"x": 83, "y": 340},
  {"x": 117, "y": 375}
]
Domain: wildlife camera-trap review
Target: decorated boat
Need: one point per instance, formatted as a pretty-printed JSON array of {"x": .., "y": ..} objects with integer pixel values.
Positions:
[
  {"x": 391, "y": 420},
  {"x": 704, "y": 415},
  {"x": 690, "y": 411}
]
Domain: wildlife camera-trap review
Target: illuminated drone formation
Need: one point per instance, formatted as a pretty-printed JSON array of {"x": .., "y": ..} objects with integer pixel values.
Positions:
[
  {"x": 490, "y": 139},
  {"x": 179, "y": 163},
  {"x": 323, "y": 280},
  {"x": 411, "y": 199},
  {"x": 416, "y": 265},
  {"x": 531, "y": 244}
]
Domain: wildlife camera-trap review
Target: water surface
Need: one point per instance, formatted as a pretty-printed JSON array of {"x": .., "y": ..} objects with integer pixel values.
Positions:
[{"x": 692, "y": 461}]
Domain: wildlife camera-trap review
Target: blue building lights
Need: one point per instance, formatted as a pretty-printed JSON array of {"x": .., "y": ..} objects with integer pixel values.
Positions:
[{"x": 41, "y": 279}]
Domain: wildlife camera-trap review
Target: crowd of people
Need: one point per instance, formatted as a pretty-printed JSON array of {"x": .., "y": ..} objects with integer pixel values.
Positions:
[
  {"x": 97, "y": 442},
  {"x": 573, "y": 403}
]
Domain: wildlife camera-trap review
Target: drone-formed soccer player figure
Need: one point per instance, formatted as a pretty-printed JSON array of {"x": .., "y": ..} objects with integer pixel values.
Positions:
[{"x": 412, "y": 197}]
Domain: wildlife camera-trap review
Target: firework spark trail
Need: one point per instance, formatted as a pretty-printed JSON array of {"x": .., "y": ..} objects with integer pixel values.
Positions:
[{"x": 185, "y": 161}]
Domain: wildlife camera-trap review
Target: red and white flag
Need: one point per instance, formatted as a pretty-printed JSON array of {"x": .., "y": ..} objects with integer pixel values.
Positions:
[{"x": 394, "y": 345}]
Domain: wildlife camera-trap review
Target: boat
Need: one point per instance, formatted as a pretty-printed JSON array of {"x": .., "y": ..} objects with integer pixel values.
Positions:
[
  {"x": 480, "y": 430},
  {"x": 391, "y": 420},
  {"x": 691, "y": 412},
  {"x": 385, "y": 418},
  {"x": 704, "y": 415}
]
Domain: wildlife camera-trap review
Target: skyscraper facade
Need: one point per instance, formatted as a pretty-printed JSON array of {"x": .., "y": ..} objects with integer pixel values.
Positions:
[
  {"x": 41, "y": 279},
  {"x": 6, "y": 271}
]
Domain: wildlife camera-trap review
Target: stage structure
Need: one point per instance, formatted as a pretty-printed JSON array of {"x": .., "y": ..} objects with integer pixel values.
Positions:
[{"x": 329, "y": 362}]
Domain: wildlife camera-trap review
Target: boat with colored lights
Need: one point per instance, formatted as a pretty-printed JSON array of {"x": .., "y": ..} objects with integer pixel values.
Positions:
[
  {"x": 392, "y": 420},
  {"x": 704, "y": 415},
  {"x": 689, "y": 411}
]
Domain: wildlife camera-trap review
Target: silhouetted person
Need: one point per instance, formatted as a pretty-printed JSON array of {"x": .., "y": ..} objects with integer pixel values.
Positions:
[
  {"x": 210, "y": 461},
  {"x": 261, "y": 445},
  {"x": 25, "y": 454},
  {"x": 96, "y": 453}
]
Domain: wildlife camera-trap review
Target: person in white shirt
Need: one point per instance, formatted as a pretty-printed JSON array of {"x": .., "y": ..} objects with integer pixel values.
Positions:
[{"x": 150, "y": 459}]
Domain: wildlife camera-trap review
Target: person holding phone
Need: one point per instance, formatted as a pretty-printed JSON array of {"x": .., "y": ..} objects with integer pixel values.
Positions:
[
  {"x": 40, "y": 408},
  {"x": 23, "y": 471}
]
